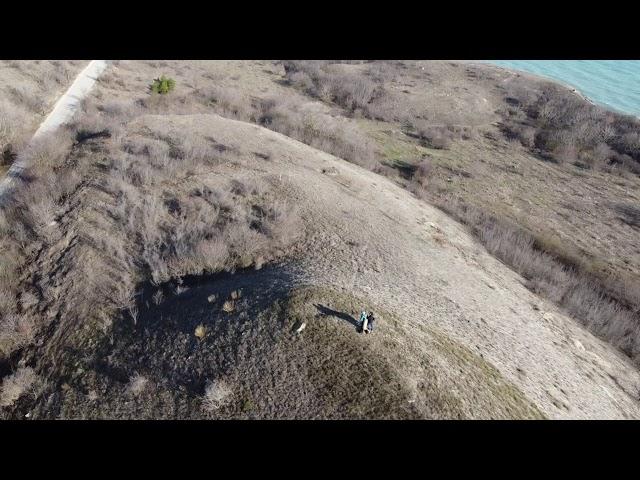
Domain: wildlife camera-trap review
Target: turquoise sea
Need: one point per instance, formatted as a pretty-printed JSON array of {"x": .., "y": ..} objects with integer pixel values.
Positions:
[{"x": 614, "y": 84}]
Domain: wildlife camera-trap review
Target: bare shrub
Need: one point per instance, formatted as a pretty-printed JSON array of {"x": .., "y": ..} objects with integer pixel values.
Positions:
[
  {"x": 133, "y": 313},
  {"x": 216, "y": 395},
  {"x": 630, "y": 214},
  {"x": 568, "y": 128},
  {"x": 21, "y": 382},
  {"x": 16, "y": 330},
  {"x": 228, "y": 101},
  {"x": 280, "y": 222},
  {"x": 423, "y": 171},
  {"x": 21, "y": 96},
  {"x": 555, "y": 273},
  {"x": 137, "y": 384},
  {"x": 352, "y": 91},
  {"x": 158, "y": 297},
  {"x": 200, "y": 332},
  {"x": 12, "y": 137},
  {"x": 435, "y": 137},
  {"x": 382, "y": 72},
  {"x": 48, "y": 150},
  {"x": 301, "y": 80}
]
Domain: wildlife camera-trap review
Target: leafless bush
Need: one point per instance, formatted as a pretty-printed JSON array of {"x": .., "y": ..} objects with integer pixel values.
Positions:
[
  {"x": 323, "y": 132},
  {"x": 137, "y": 384},
  {"x": 48, "y": 150},
  {"x": 352, "y": 91},
  {"x": 32, "y": 102},
  {"x": 630, "y": 213},
  {"x": 216, "y": 395},
  {"x": 419, "y": 176},
  {"x": 158, "y": 297},
  {"x": 301, "y": 80},
  {"x": 133, "y": 313},
  {"x": 382, "y": 72},
  {"x": 606, "y": 310},
  {"x": 12, "y": 136},
  {"x": 16, "y": 330},
  {"x": 438, "y": 137},
  {"x": 21, "y": 382},
  {"x": 568, "y": 128},
  {"x": 228, "y": 101}
]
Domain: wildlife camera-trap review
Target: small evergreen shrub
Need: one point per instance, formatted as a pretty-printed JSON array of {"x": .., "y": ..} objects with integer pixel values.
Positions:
[{"x": 162, "y": 85}]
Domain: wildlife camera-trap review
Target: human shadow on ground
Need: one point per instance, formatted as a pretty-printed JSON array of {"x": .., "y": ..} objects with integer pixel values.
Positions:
[{"x": 327, "y": 312}]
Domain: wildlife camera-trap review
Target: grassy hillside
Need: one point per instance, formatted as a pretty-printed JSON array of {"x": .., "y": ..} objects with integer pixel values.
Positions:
[
  {"x": 120, "y": 301},
  {"x": 475, "y": 140}
]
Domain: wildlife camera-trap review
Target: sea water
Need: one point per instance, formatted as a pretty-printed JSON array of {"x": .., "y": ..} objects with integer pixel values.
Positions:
[{"x": 614, "y": 84}]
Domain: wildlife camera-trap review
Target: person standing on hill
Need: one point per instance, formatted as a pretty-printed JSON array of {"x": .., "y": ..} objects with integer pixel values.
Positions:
[
  {"x": 363, "y": 321},
  {"x": 370, "y": 320}
]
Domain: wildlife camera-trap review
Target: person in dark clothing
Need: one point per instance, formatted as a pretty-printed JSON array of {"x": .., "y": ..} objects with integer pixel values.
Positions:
[{"x": 370, "y": 323}]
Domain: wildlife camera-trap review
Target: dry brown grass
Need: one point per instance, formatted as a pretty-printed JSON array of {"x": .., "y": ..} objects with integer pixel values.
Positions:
[
  {"x": 630, "y": 214},
  {"x": 28, "y": 90}
]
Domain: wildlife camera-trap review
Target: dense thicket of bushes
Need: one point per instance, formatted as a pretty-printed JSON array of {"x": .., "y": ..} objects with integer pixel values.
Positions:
[
  {"x": 566, "y": 128},
  {"x": 364, "y": 92},
  {"x": 287, "y": 116},
  {"x": 355, "y": 92}
]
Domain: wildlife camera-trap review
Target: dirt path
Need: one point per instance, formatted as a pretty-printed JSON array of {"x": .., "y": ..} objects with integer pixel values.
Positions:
[{"x": 62, "y": 112}]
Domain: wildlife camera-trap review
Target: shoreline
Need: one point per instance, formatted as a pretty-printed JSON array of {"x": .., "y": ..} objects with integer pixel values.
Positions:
[{"x": 572, "y": 89}]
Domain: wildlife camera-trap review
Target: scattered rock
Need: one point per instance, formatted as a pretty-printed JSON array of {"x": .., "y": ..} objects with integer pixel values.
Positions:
[
  {"x": 301, "y": 327},
  {"x": 212, "y": 298},
  {"x": 229, "y": 306},
  {"x": 330, "y": 171}
]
